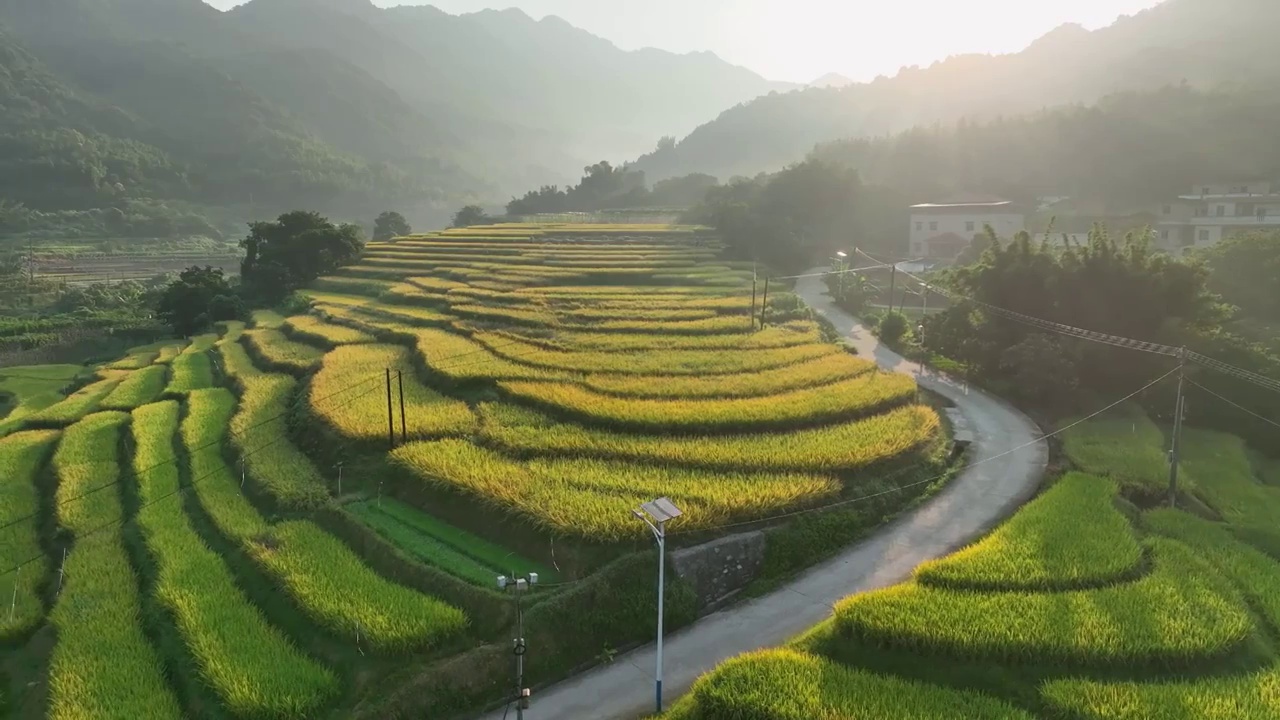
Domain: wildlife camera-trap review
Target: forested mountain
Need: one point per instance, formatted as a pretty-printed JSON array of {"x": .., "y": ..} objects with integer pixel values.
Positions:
[
  {"x": 1203, "y": 43},
  {"x": 1127, "y": 151},
  {"x": 332, "y": 104}
]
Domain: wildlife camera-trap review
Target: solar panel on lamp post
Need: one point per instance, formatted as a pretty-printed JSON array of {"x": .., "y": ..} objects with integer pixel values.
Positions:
[{"x": 661, "y": 510}]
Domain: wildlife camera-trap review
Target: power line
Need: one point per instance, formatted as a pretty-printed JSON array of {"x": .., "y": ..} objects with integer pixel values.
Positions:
[
  {"x": 935, "y": 478},
  {"x": 1107, "y": 339},
  {"x": 1234, "y": 404}
]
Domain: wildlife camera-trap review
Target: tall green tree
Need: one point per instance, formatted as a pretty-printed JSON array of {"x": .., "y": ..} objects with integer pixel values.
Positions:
[
  {"x": 197, "y": 299},
  {"x": 390, "y": 225},
  {"x": 469, "y": 216},
  {"x": 297, "y": 248}
]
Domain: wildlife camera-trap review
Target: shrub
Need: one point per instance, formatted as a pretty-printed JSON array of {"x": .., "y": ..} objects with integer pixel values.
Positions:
[{"x": 893, "y": 327}]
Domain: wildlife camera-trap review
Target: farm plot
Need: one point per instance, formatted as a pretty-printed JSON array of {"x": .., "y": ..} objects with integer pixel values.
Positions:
[
  {"x": 1061, "y": 612},
  {"x": 102, "y": 664},
  {"x": 22, "y": 457},
  {"x": 139, "y": 388},
  {"x": 80, "y": 403},
  {"x": 325, "y": 580},
  {"x": 27, "y": 390},
  {"x": 193, "y": 369},
  {"x": 277, "y": 352},
  {"x": 254, "y": 670}
]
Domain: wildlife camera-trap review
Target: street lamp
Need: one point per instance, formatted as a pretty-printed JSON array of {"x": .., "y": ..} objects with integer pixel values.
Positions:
[
  {"x": 842, "y": 266},
  {"x": 661, "y": 510},
  {"x": 519, "y": 586}
]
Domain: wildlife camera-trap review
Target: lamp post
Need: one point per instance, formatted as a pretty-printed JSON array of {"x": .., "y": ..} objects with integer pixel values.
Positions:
[
  {"x": 661, "y": 510},
  {"x": 842, "y": 265},
  {"x": 519, "y": 586}
]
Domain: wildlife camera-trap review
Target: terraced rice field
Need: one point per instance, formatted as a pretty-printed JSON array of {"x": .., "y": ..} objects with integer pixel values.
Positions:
[
  {"x": 1080, "y": 606},
  {"x": 240, "y": 542}
]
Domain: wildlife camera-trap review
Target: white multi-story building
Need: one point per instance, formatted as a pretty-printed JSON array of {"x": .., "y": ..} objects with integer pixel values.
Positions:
[
  {"x": 940, "y": 231},
  {"x": 1212, "y": 212}
]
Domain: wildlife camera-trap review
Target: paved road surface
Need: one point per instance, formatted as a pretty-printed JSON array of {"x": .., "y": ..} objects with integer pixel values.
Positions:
[{"x": 976, "y": 500}]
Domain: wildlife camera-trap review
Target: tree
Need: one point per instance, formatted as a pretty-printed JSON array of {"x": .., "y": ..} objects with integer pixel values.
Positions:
[
  {"x": 390, "y": 225},
  {"x": 1246, "y": 273},
  {"x": 197, "y": 299},
  {"x": 1043, "y": 371},
  {"x": 297, "y": 248},
  {"x": 468, "y": 216}
]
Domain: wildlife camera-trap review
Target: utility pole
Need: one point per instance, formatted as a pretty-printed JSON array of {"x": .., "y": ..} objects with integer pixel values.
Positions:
[
  {"x": 391, "y": 416},
  {"x": 764, "y": 304},
  {"x": 754, "y": 277},
  {"x": 1179, "y": 410},
  {"x": 519, "y": 586},
  {"x": 893, "y": 276},
  {"x": 404, "y": 432}
]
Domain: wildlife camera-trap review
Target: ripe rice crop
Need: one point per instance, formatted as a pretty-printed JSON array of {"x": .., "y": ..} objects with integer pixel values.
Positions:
[
  {"x": 787, "y": 685},
  {"x": 236, "y": 362},
  {"x": 193, "y": 369},
  {"x": 1255, "y": 573},
  {"x": 460, "y": 358},
  {"x": 620, "y": 291},
  {"x": 1255, "y": 695},
  {"x": 673, "y": 362},
  {"x": 1182, "y": 613},
  {"x": 332, "y": 298},
  {"x": 435, "y": 284},
  {"x": 78, "y": 404},
  {"x": 858, "y": 397},
  {"x": 401, "y": 313},
  {"x": 313, "y": 330},
  {"x": 350, "y": 286},
  {"x": 1070, "y": 537},
  {"x": 406, "y": 294},
  {"x": 822, "y": 371},
  {"x": 594, "y": 499},
  {"x": 32, "y": 389},
  {"x": 361, "y": 412},
  {"x": 102, "y": 664},
  {"x": 231, "y": 331},
  {"x": 321, "y": 574},
  {"x": 22, "y": 456},
  {"x": 136, "y": 361},
  {"x": 255, "y": 670},
  {"x": 840, "y": 447},
  {"x": 269, "y": 319},
  {"x": 139, "y": 388},
  {"x": 777, "y": 336},
  {"x": 341, "y": 593},
  {"x": 280, "y": 470},
  {"x": 169, "y": 353},
  {"x": 277, "y": 352},
  {"x": 1126, "y": 446},
  {"x": 1252, "y": 695},
  {"x": 1231, "y": 487},
  {"x": 553, "y": 317}
]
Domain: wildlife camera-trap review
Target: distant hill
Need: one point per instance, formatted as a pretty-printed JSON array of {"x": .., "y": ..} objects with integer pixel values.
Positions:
[
  {"x": 335, "y": 104},
  {"x": 831, "y": 80},
  {"x": 1203, "y": 43}
]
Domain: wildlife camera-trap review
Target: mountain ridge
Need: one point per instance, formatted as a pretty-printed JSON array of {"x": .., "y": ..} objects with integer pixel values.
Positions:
[{"x": 1202, "y": 42}]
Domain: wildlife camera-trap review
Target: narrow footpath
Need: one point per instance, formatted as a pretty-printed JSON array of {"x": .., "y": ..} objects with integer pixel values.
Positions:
[{"x": 976, "y": 500}]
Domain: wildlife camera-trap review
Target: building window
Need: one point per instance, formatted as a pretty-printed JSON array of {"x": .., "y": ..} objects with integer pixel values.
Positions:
[
  {"x": 1164, "y": 234},
  {"x": 1262, "y": 213},
  {"x": 1222, "y": 211},
  {"x": 933, "y": 226},
  {"x": 1167, "y": 210},
  {"x": 1244, "y": 209},
  {"x": 1204, "y": 235},
  {"x": 1204, "y": 191},
  {"x": 968, "y": 227},
  {"x": 919, "y": 226}
]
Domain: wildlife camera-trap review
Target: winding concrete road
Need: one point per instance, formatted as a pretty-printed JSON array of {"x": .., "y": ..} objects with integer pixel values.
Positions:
[{"x": 976, "y": 500}]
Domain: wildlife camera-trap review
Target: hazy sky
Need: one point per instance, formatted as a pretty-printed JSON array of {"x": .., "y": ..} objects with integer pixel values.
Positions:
[{"x": 799, "y": 40}]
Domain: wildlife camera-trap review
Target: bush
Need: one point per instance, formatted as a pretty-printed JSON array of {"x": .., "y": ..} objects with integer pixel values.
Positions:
[{"x": 893, "y": 327}]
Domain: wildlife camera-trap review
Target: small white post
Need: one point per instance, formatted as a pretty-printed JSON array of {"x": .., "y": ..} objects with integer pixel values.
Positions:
[
  {"x": 339, "y": 479},
  {"x": 62, "y": 570},
  {"x": 13, "y": 604}
]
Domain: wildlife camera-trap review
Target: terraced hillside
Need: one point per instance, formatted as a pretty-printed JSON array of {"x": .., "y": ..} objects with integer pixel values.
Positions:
[
  {"x": 1082, "y": 606},
  {"x": 302, "y": 515}
]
